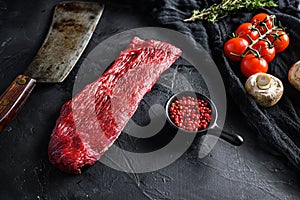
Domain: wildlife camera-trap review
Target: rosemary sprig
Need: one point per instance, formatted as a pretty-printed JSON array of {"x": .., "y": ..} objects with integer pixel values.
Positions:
[{"x": 219, "y": 11}]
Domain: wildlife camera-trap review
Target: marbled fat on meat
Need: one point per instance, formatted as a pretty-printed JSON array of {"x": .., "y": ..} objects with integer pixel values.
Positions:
[{"x": 90, "y": 122}]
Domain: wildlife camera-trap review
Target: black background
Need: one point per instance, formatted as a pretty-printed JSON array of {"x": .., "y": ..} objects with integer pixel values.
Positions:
[{"x": 252, "y": 171}]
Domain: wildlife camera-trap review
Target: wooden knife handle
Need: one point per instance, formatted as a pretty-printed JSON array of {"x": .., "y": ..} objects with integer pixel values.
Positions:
[{"x": 14, "y": 98}]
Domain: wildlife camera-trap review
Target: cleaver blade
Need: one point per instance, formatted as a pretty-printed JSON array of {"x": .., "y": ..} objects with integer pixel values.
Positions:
[{"x": 72, "y": 26}]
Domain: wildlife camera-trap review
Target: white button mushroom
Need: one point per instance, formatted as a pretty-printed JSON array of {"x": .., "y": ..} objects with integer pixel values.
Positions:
[
  {"x": 294, "y": 75},
  {"x": 265, "y": 89}
]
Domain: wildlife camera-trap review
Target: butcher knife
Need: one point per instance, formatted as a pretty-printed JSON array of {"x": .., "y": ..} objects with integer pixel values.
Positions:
[{"x": 72, "y": 27}]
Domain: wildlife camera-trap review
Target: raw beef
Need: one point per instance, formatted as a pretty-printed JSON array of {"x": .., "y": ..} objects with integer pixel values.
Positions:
[{"x": 90, "y": 122}]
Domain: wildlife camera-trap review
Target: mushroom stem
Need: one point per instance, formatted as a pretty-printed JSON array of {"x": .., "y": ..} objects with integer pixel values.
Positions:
[{"x": 263, "y": 81}]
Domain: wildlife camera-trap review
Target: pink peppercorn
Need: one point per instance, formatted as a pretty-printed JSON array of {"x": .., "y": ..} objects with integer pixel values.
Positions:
[{"x": 190, "y": 113}]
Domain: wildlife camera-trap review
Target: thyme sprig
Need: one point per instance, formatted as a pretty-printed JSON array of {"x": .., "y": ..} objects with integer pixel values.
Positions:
[{"x": 227, "y": 7}]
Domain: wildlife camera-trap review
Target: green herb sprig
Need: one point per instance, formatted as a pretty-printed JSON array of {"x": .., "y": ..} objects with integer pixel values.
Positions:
[{"x": 219, "y": 11}]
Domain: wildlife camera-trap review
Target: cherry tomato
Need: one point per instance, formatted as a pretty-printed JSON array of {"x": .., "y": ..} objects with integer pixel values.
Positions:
[
  {"x": 251, "y": 65},
  {"x": 268, "y": 53},
  {"x": 262, "y": 17},
  {"x": 245, "y": 30},
  {"x": 280, "y": 42},
  {"x": 235, "y": 46}
]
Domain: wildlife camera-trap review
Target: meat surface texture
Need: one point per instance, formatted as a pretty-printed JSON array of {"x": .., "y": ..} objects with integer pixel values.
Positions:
[{"x": 90, "y": 122}]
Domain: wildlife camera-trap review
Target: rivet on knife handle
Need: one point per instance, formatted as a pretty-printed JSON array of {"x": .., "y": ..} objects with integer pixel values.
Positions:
[{"x": 13, "y": 99}]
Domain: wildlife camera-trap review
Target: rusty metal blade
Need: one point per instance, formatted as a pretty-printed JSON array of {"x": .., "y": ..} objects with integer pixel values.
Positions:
[{"x": 72, "y": 27}]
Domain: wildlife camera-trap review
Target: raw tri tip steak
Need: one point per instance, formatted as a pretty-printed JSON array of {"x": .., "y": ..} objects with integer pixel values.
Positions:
[{"x": 90, "y": 122}]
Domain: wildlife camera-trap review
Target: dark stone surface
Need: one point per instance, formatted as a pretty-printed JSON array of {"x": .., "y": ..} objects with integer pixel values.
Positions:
[{"x": 252, "y": 171}]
